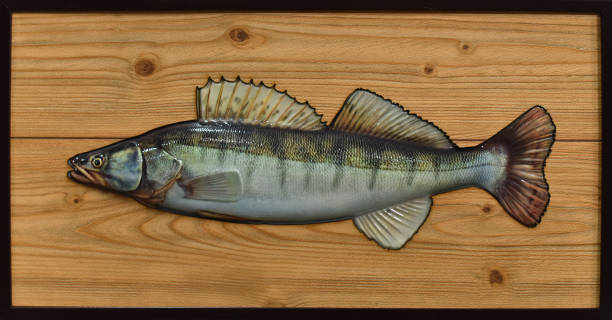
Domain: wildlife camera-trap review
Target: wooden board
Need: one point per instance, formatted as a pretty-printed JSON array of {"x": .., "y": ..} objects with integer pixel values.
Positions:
[{"x": 80, "y": 81}]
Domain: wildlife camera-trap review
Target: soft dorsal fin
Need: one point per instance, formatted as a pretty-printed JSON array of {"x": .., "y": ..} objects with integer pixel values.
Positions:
[
  {"x": 392, "y": 227},
  {"x": 368, "y": 113},
  {"x": 254, "y": 104}
]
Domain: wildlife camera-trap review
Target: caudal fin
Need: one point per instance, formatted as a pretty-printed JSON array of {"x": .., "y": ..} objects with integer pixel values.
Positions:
[{"x": 526, "y": 142}]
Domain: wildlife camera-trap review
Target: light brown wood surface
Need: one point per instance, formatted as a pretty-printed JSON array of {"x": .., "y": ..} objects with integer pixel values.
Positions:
[{"x": 81, "y": 81}]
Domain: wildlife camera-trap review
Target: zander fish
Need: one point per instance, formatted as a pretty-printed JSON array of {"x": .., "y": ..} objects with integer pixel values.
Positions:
[{"x": 257, "y": 155}]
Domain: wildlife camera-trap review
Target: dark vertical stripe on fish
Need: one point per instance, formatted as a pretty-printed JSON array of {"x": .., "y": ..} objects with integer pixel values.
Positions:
[
  {"x": 250, "y": 169},
  {"x": 339, "y": 151},
  {"x": 435, "y": 159},
  {"x": 373, "y": 160},
  {"x": 221, "y": 152},
  {"x": 411, "y": 172},
  {"x": 466, "y": 158},
  {"x": 278, "y": 148},
  {"x": 308, "y": 175},
  {"x": 246, "y": 132},
  {"x": 372, "y": 179},
  {"x": 304, "y": 153},
  {"x": 338, "y": 174},
  {"x": 282, "y": 166}
]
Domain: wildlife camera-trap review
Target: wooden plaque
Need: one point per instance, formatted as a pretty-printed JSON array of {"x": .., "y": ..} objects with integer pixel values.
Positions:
[{"x": 81, "y": 81}]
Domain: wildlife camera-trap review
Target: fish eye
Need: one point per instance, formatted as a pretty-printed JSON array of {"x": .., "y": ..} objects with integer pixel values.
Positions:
[{"x": 97, "y": 161}]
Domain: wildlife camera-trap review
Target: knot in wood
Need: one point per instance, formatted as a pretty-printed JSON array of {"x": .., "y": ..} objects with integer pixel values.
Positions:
[
  {"x": 428, "y": 69},
  {"x": 273, "y": 303},
  {"x": 486, "y": 209},
  {"x": 239, "y": 35},
  {"x": 495, "y": 277},
  {"x": 465, "y": 47},
  {"x": 73, "y": 199},
  {"x": 144, "y": 67}
]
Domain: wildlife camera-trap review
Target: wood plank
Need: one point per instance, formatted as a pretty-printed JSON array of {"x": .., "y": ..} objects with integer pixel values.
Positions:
[
  {"x": 118, "y": 75},
  {"x": 79, "y": 246}
]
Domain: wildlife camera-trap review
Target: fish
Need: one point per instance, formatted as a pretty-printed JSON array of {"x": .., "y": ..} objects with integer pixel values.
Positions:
[{"x": 257, "y": 155}]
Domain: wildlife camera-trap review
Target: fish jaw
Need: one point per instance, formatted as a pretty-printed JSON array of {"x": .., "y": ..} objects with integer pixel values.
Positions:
[{"x": 82, "y": 175}]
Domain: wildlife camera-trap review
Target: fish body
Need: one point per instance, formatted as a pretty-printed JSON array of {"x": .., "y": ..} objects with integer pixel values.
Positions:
[
  {"x": 299, "y": 176},
  {"x": 257, "y": 155}
]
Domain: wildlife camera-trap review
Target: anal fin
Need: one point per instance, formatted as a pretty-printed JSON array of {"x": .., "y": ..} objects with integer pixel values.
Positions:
[{"x": 392, "y": 227}]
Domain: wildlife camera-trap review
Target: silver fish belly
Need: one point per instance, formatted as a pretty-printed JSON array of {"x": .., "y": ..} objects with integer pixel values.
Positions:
[{"x": 257, "y": 155}]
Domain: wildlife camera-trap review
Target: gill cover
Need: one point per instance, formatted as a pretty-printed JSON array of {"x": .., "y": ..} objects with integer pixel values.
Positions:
[
  {"x": 123, "y": 170},
  {"x": 161, "y": 169}
]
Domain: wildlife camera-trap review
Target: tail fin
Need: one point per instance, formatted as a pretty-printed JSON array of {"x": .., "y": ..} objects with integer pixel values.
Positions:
[{"x": 523, "y": 191}]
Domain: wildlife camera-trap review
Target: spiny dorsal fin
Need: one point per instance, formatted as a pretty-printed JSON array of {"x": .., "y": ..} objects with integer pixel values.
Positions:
[
  {"x": 368, "y": 113},
  {"x": 254, "y": 104},
  {"x": 392, "y": 227}
]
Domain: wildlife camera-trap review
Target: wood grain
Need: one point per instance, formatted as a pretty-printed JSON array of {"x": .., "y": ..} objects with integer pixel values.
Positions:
[
  {"x": 75, "y": 64},
  {"x": 81, "y": 81}
]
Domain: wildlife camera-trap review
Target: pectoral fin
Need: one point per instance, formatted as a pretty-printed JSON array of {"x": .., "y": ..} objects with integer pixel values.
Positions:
[
  {"x": 221, "y": 186},
  {"x": 392, "y": 227}
]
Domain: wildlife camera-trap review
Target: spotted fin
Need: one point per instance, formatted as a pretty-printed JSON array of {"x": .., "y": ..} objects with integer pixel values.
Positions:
[
  {"x": 222, "y": 186},
  {"x": 526, "y": 142},
  {"x": 365, "y": 112},
  {"x": 392, "y": 227},
  {"x": 254, "y": 104}
]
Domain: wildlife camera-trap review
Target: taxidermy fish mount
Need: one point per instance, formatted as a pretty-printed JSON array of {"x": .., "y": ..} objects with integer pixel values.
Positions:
[{"x": 257, "y": 155}]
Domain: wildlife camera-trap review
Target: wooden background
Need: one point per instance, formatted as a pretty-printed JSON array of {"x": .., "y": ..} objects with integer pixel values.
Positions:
[{"x": 81, "y": 81}]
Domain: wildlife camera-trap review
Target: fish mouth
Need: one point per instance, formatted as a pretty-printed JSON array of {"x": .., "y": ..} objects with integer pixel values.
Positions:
[{"x": 82, "y": 175}]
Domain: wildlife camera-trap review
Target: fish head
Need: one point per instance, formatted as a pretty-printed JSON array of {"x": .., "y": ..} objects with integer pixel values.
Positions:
[{"x": 117, "y": 167}]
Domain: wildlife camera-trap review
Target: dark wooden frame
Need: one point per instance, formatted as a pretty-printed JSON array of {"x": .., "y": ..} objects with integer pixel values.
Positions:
[{"x": 603, "y": 8}]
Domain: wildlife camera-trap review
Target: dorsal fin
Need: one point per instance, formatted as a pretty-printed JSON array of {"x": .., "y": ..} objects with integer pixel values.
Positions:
[
  {"x": 366, "y": 112},
  {"x": 254, "y": 104}
]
